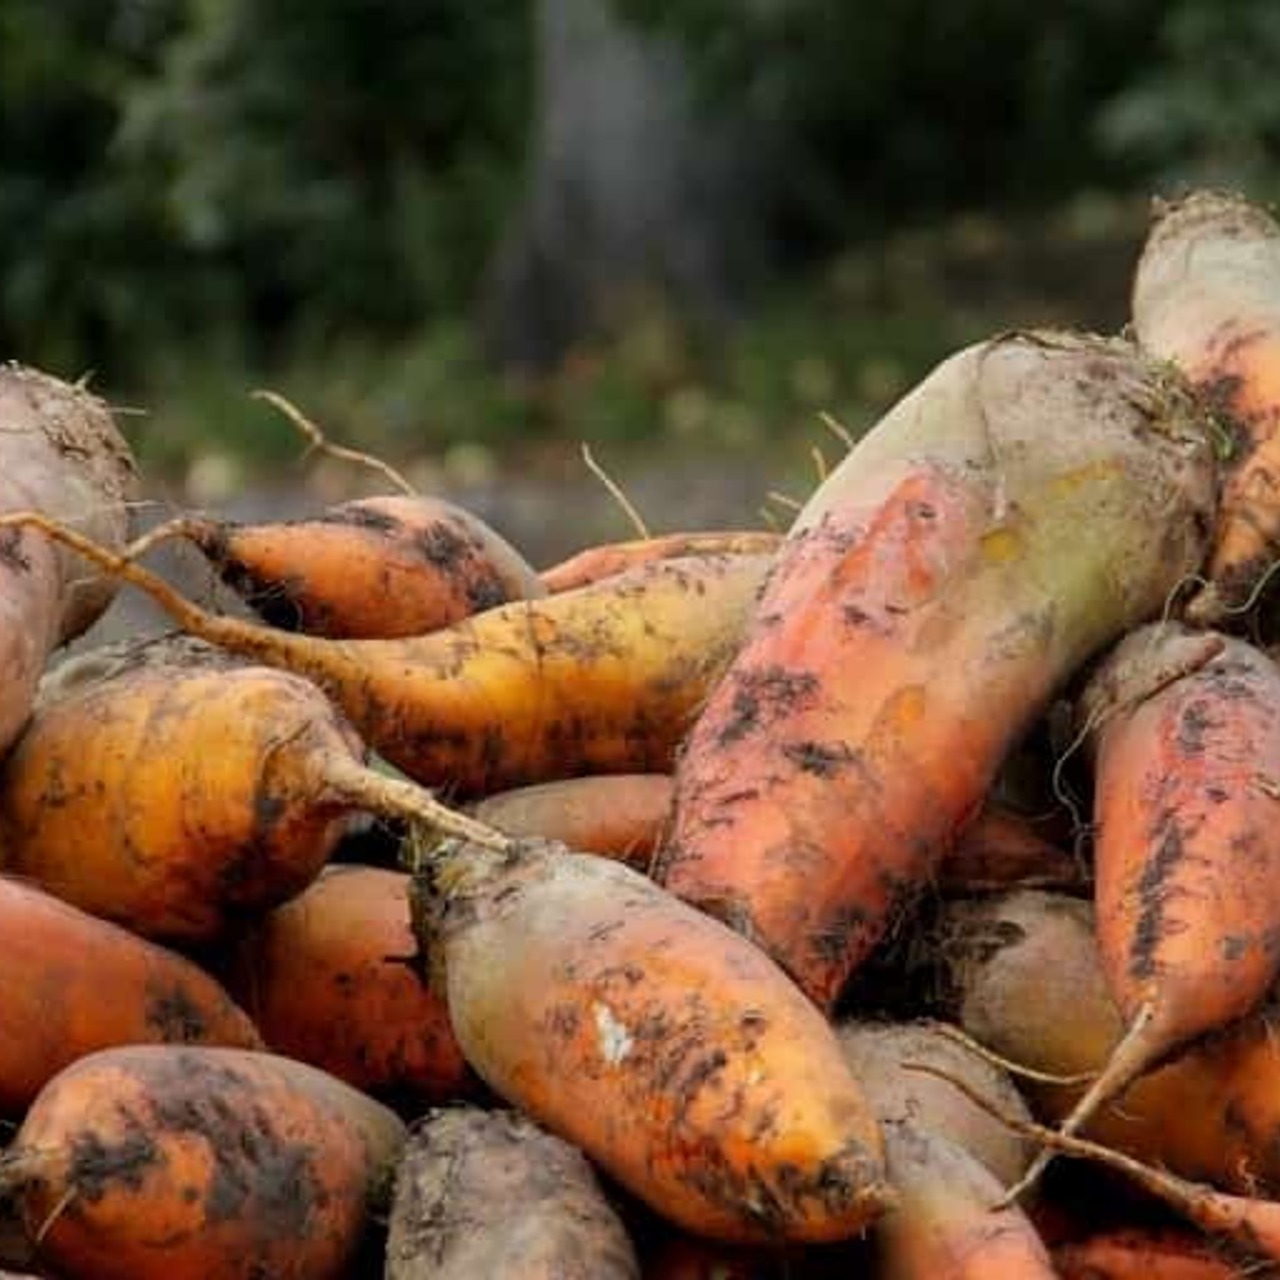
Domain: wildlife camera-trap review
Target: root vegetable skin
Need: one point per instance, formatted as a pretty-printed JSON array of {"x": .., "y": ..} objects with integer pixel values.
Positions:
[
  {"x": 623, "y": 816},
  {"x": 597, "y": 563},
  {"x": 1187, "y": 821},
  {"x": 56, "y": 963},
  {"x": 606, "y": 679},
  {"x": 1206, "y": 295},
  {"x": 1251, "y": 1224},
  {"x": 60, "y": 453},
  {"x": 677, "y": 1056},
  {"x": 329, "y": 979},
  {"x": 1026, "y": 982},
  {"x": 879, "y": 1057},
  {"x": 928, "y": 601},
  {"x": 376, "y": 568},
  {"x": 615, "y": 815},
  {"x": 490, "y": 1194},
  {"x": 159, "y": 1163},
  {"x": 176, "y": 793},
  {"x": 1142, "y": 1255},
  {"x": 947, "y": 1159},
  {"x": 943, "y": 1226}
]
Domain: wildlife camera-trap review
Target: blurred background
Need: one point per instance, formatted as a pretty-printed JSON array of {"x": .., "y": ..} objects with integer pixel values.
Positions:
[{"x": 472, "y": 235}]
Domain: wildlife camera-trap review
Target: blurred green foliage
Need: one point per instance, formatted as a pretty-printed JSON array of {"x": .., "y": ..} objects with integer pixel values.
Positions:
[
  {"x": 246, "y": 176},
  {"x": 919, "y": 106},
  {"x": 200, "y": 195}
]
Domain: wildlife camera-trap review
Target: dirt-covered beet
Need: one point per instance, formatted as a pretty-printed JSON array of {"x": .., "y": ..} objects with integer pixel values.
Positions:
[
  {"x": 60, "y": 454},
  {"x": 482, "y": 1193}
]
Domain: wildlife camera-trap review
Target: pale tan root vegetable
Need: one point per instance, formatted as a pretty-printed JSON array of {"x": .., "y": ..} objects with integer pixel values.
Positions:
[
  {"x": 1021, "y": 973},
  {"x": 482, "y": 1194},
  {"x": 1206, "y": 295},
  {"x": 1252, "y": 1225},
  {"x": 946, "y": 1160},
  {"x": 60, "y": 453}
]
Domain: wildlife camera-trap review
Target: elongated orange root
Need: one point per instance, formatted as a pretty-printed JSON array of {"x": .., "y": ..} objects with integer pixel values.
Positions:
[
  {"x": 489, "y": 1194},
  {"x": 616, "y": 815},
  {"x": 60, "y": 453},
  {"x": 596, "y": 563},
  {"x": 1206, "y": 295},
  {"x": 166, "y": 1163},
  {"x": 328, "y": 978},
  {"x": 173, "y": 791},
  {"x": 671, "y": 1051},
  {"x": 1253, "y": 1225},
  {"x": 1023, "y": 976},
  {"x": 375, "y": 568},
  {"x": 606, "y": 679},
  {"x": 71, "y": 984},
  {"x": 1187, "y": 842},
  {"x": 929, "y": 600},
  {"x": 1136, "y": 1254}
]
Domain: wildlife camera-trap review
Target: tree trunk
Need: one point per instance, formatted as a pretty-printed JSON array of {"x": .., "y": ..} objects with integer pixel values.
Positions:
[{"x": 632, "y": 186}]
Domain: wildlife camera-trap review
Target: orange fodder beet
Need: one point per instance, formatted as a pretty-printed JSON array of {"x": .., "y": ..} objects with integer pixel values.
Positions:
[
  {"x": 929, "y": 600},
  {"x": 943, "y": 1226},
  {"x": 1187, "y": 840},
  {"x": 1025, "y": 980},
  {"x": 1206, "y": 295},
  {"x": 489, "y": 1194},
  {"x": 616, "y": 815},
  {"x": 606, "y": 679},
  {"x": 1135, "y": 1254},
  {"x": 1250, "y": 1224},
  {"x": 671, "y": 1051},
  {"x": 329, "y": 978},
  {"x": 946, "y": 1158},
  {"x": 71, "y": 984},
  {"x": 166, "y": 1163},
  {"x": 60, "y": 453},
  {"x": 604, "y": 561},
  {"x": 882, "y": 1058},
  {"x": 373, "y": 568},
  {"x": 167, "y": 788}
]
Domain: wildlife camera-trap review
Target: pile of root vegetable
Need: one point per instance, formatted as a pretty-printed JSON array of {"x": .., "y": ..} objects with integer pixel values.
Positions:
[{"x": 894, "y": 896}]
